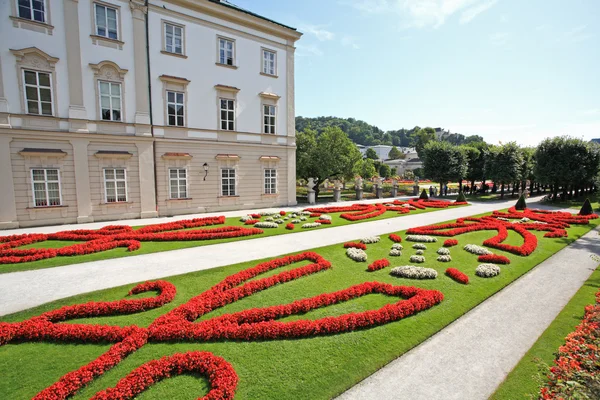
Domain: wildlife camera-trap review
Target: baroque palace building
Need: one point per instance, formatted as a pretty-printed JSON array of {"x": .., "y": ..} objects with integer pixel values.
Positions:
[{"x": 114, "y": 109}]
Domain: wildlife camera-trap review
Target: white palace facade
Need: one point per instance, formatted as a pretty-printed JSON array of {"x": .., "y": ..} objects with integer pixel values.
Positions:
[{"x": 114, "y": 109}]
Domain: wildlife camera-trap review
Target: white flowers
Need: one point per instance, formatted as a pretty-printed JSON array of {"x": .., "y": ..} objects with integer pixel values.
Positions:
[
  {"x": 305, "y": 213},
  {"x": 419, "y": 252},
  {"x": 370, "y": 239},
  {"x": 295, "y": 221},
  {"x": 279, "y": 221},
  {"x": 487, "y": 270},
  {"x": 417, "y": 259},
  {"x": 246, "y": 218},
  {"x": 421, "y": 238},
  {"x": 302, "y": 218},
  {"x": 267, "y": 213},
  {"x": 419, "y": 246},
  {"x": 474, "y": 249},
  {"x": 325, "y": 217},
  {"x": 269, "y": 219},
  {"x": 443, "y": 251},
  {"x": 266, "y": 224},
  {"x": 412, "y": 272},
  {"x": 356, "y": 254},
  {"x": 397, "y": 246},
  {"x": 310, "y": 225},
  {"x": 444, "y": 258},
  {"x": 395, "y": 252}
]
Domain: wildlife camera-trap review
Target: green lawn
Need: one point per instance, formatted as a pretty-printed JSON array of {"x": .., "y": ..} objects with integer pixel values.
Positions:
[
  {"x": 525, "y": 379},
  {"x": 312, "y": 368},
  {"x": 577, "y": 203},
  {"x": 153, "y": 247}
]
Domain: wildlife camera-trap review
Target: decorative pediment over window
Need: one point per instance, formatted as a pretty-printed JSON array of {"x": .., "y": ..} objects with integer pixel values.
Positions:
[
  {"x": 269, "y": 96},
  {"x": 108, "y": 70},
  {"x": 177, "y": 156},
  {"x": 31, "y": 152},
  {"x": 269, "y": 158},
  {"x": 226, "y": 88},
  {"x": 227, "y": 157},
  {"x": 33, "y": 57}
]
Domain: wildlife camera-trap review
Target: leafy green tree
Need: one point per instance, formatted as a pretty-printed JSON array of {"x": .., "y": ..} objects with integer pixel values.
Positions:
[
  {"x": 395, "y": 154},
  {"x": 393, "y": 171},
  {"x": 365, "y": 168},
  {"x": 384, "y": 171},
  {"x": 421, "y": 138},
  {"x": 527, "y": 167},
  {"x": 330, "y": 155},
  {"x": 503, "y": 164},
  {"x": 472, "y": 155},
  {"x": 371, "y": 154},
  {"x": 444, "y": 162}
]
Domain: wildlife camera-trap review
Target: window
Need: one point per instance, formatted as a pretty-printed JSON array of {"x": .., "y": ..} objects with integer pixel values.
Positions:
[
  {"x": 228, "y": 181},
  {"x": 115, "y": 185},
  {"x": 268, "y": 62},
  {"x": 226, "y": 50},
  {"x": 175, "y": 108},
  {"x": 173, "y": 38},
  {"x": 38, "y": 92},
  {"x": 34, "y": 10},
  {"x": 46, "y": 187},
  {"x": 227, "y": 114},
  {"x": 178, "y": 183},
  {"x": 106, "y": 21},
  {"x": 110, "y": 101},
  {"x": 268, "y": 118},
  {"x": 270, "y": 181}
]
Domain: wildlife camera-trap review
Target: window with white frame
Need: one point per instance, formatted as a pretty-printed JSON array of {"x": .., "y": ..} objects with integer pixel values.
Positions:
[
  {"x": 46, "y": 187},
  {"x": 173, "y": 38},
  {"x": 175, "y": 108},
  {"x": 270, "y": 181},
  {"x": 226, "y": 51},
  {"x": 227, "y": 114},
  {"x": 34, "y": 10},
  {"x": 115, "y": 185},
  {"x": 106, "y": 21},
  {"x": 38, "y": 92},
  {"x": 228, "y": 181},
  {"x": 110, "y": 100},
  {"x": 178, "y": 183},
  {"x": 269, "y": 58},
  {"x": 269, "y": 118}
]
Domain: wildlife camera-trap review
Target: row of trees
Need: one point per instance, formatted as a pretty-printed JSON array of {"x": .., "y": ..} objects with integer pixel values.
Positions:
[{"x": 565, "y": 164}]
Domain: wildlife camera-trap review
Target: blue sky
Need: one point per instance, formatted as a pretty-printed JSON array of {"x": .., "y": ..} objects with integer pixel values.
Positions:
[{"x": 507, "y": 70}]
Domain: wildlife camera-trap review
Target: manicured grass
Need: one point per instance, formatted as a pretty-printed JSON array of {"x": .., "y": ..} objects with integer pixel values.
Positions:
[
  {"x": 525, "y": 379},
  {"x": 577, "y": 203},
  {"x": 154, "y": 247},
  {"x": 312, "y": 368}
]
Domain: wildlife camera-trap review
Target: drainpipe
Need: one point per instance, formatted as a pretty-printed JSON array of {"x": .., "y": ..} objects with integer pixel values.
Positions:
[{"x": 150, "y": 103}]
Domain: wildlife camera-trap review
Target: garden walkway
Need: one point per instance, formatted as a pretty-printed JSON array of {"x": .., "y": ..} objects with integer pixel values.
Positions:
[
  {"x": 471, "y": 357},
  {"x": 22, "y": 290}
]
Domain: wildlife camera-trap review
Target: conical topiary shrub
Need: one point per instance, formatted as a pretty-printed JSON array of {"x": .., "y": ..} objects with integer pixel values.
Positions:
[
  {"x": 521, "y": 203},
  {"x": 586, "y": 208},
  {"x": 424, "y": 195},
  {"x": 461, "y": 197}
]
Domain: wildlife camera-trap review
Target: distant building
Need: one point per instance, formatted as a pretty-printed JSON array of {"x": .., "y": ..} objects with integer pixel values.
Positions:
[{"x": 597, "y": 140}]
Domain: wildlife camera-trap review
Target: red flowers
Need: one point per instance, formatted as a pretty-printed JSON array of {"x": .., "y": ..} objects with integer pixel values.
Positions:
[
  {"x": 395, "y": 238},
  {"x": 356, "y": 245},
  {"x": 251, "y": 221},
  {"x": 324, "y": 221},
  {"x": 457, "y": 275},
  {"x": 282, "y": 213},
  {"x": 494, "y": 259},
  {"x": 378, "y": 264},
  {"x": 289, "y": 226},
  {"x": 450, "y": 242}
]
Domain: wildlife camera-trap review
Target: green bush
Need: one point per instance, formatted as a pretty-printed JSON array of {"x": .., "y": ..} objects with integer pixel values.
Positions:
[
  {"x": 521, "y": 203},
  {"x": 586, "y": 208},
  {"x": 424, "y": 195},
  {"x": 461, "y": 197}
]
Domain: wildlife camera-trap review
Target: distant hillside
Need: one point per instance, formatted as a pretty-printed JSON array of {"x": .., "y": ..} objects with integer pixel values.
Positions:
[{"x": 361, "y": 132}]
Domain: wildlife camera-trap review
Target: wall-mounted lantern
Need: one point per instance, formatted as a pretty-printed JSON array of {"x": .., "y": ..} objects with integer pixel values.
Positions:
[{"x": 205, "y": 170}]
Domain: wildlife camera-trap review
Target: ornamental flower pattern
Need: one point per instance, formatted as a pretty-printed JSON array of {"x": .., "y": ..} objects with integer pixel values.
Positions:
[{"x": 180, "y": 325}]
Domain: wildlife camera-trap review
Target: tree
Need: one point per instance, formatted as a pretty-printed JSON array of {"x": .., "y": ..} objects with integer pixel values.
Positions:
[
  {"x": 395, "y": 154},
  {"x": 330, "y": 155},
  {"x": 472, "y": 155},
  {"x": 421, "y": 138},
  {"x": 371, "y": 154},
  {"x": 503, "y": 164},
  {"x": 408, "y": 175},
  {"x": 384, "y": 171},
  {"x": 393, "y": 171},
  {"x": 444, "y": 162},
  {"x": 527, "y": 167},
  {"x": 365, "y": 168}
]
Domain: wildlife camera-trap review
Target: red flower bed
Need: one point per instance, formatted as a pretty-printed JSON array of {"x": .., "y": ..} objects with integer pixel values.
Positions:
[
  {"x": 324, "y": 221},
  {"x": 395, "y": 238},
  {"x": 251, "y": 222},
  {"x": 314, "y": 215},
  {"x": 378, "y": 264},
  {"x": 256, "y": 216},
  {"x": 493, "y": 258},
  {"x": 457, "y": 275},
  {"x": 289, "y": 226},
  {"x": 450, "y": 242},
  {"x": 282, "y": 213},
  {"x": 577, "y": 360},
  {"x": 356, "y": 245}
]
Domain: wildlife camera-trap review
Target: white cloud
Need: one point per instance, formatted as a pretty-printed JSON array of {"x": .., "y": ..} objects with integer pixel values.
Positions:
[
  {"x": 303, "y": 50},
  {"x": 349, "y": 41},
  {"x": 470, "y": 13},
  {"x": 318, "y": 32}
]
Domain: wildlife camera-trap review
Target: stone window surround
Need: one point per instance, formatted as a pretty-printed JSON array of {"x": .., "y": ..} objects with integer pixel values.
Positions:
[
  {"x": 113, "y": 159},
  {"x": 230, "y": 161},
  {"x": 218, "y": 62},
  {"x": 262, "y": 72},
  {"x": 43, "y": 159},
  {"x": 177, "y": 160},
  {"x": 32, "y": 25},
  {"x": 268, "y": 99},
  {"x": 175, "y": 84},
  {"x": 270, "y": 162},
  {"x": 114, "y": 43},
  {"x": 32, "y": 58},
  {"x": 227, "y": 93},
  {"x": 109, "y": 71},
  {"x": 164, "y": 23}
]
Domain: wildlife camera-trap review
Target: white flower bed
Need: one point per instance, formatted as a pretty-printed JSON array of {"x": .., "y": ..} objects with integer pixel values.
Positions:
[
  {"x": 443, "y": 251},
  {"x": 444, "y": 258},
  {"x": 325, "y": 217},
  {"x": 397, "y": 246},
  {"x": 279, "y": 221},
  {"x": 421, "y": 238},
  {"x": 419, "y": 246},
  {"x": 267, "y": 213},
  {"x": 412, "y": 272},
  {"x": 295, "y": 221},
  {"x": 246, "y": 218},
  {"x": 487, "y": 270},
  {"x": 419, "y": 252},
  {"x": 474, "y": 249},
  {"x": 503, "y": 219},
  {"x": 395, "y": 252},
  {"x": 265, "y": 224},
  {"x": 370, "y": 239},
  {"x": 417, "y": 259},
  {"x": 302, "y": 218},
  {"x": 305, "y": 213},
  {"x": 356, "y": 254},
  {"x": 269, "y": 219},
  {"x": 310, "y": 225}
]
